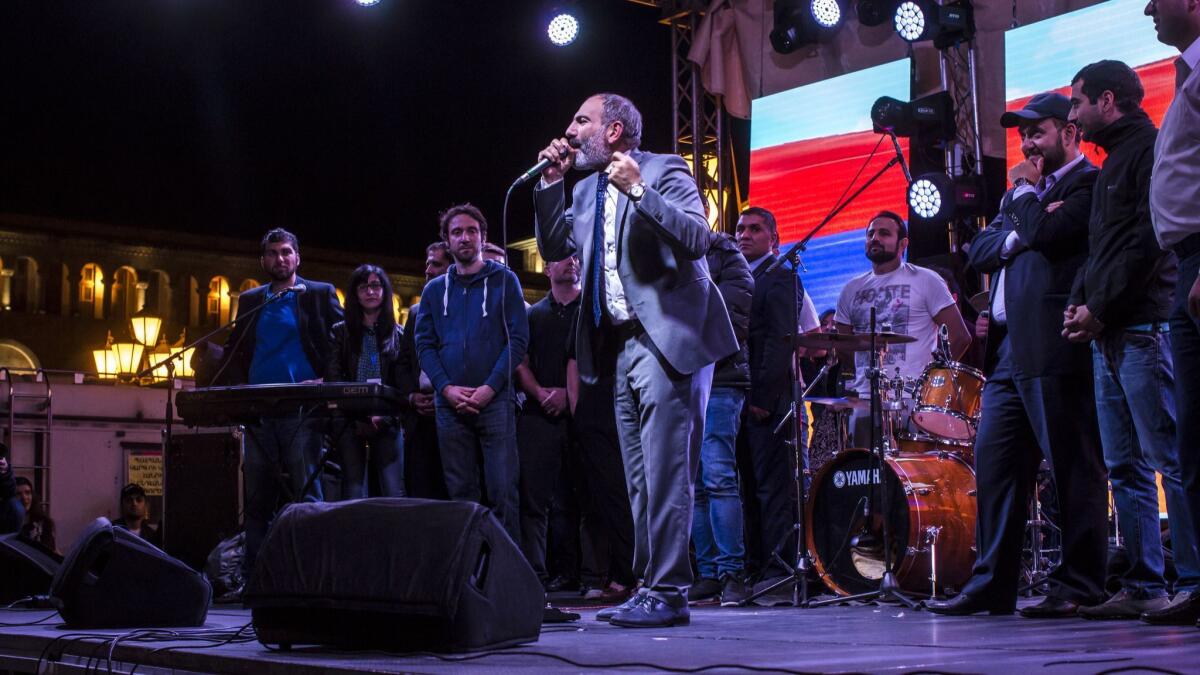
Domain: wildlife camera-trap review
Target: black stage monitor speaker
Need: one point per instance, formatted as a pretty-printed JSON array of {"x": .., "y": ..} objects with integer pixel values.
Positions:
[
  {"x": 26, "y": 568},
  {"x": 393, "y": 574},
  {"x": 203, "y": 496},
  {"x": 113, "y": 578}
]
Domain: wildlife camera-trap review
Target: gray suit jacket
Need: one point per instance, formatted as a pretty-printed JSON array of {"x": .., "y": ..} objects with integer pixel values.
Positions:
[{"x": 661, "y": 247}]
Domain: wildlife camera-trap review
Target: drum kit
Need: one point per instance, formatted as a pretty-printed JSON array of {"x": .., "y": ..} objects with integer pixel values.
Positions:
[{"x": 897, "y": 519}]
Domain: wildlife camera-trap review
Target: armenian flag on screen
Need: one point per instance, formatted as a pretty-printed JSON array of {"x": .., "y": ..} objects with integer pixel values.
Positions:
[{"x": 806, "y": 144}]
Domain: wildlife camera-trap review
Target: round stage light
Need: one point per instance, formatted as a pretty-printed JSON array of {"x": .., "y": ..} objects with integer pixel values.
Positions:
[
  {"x": 827, "y": 13},
  {"x": 910, "y": 21},
  {"x": 367, "y": 3},
  {"x": 924, "y": 198},
  {"x": 563, "y": 30}
]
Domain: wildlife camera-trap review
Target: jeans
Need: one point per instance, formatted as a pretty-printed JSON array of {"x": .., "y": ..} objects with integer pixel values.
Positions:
[
  {"x": 281, "y": 454},
  {"x": 717, "y": 517},
  {"x": 382, "y": 451},
  {"x": 1135, "y": 403},
  {"x": 1185, "y": 349},
  {"x": 461, "y": 439}
]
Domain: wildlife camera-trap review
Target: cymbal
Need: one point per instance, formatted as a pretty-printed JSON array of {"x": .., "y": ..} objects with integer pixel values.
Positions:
[
  {"x": 838, "y": 403},
  {"x": 981, "y": 300},
  {"x": 851, "y": 342}
]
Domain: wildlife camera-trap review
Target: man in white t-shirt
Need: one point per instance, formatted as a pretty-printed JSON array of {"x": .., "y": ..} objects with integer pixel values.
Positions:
[{"x": 909, "y": 300}]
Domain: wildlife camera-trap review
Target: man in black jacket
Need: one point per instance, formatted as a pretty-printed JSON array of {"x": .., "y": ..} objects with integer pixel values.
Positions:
[
  {"x": 717, "y": 518},
  {"x": 772, "y": 318},
  {"x": 1121, "y": 301},
  {"x": 1038, "y": 399},
  {"x": 422, "y": 460},
  {"x": 281, "y": 336}
]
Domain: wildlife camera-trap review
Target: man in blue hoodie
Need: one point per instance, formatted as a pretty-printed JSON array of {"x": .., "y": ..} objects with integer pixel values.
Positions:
[{"x": 471, "y": 334}]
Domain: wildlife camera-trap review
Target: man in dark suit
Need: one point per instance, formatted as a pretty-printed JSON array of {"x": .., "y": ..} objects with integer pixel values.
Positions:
[
  {"x": 638, "y": 224},
  {"x": 1039, "y": 394},
  {"x": 772, "y": 320},
  {"x": 285, "y": 339}
]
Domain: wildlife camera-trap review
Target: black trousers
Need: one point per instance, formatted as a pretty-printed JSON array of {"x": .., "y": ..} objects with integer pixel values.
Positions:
[
  {"x": 1022, "y": 422},
  {"x": 775, "y": 488},
  {"x": 423, "y": 475},
  {"x": 543, "y": 444},
  {"x": 607, "y": 493}
]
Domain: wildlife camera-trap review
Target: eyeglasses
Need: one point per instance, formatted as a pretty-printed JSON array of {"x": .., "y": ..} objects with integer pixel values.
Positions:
[{"x": 373, "y": 288}]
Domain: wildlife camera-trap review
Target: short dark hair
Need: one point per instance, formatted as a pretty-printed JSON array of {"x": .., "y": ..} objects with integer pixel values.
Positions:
[
  {"x": 617, "y": 108},
  {"x": 494, "y": 249},
  {"x": 276, "y": 235},
  {"x": 767, "y": 216},
  {"x": 22, "y": 480},
  {"x": 464, "y": 209},
  {"x": 133, "y": 490},
  {"x": 1114, "y": 76},
  {"x": 901, "y": 226},
  {"x": 440, "y": 246}
]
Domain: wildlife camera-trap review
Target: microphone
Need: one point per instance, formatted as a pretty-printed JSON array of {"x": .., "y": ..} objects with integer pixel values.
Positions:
[
  {"x": 298, "y": 288},
  {"x": 541, "y": 166},
  {"x": 899, "y": 155}
]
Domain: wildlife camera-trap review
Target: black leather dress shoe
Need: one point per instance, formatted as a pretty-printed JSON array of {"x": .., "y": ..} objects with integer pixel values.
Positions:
[
  {"x": 1051, "y": 608},
  {"x": 963, "y": 605},
  {"x": 633, "y": 601},
  {"x": 652, "y": 613}
]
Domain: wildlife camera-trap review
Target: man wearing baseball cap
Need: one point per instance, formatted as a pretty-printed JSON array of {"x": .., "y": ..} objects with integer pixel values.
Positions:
[
  {"x": 1038, "y": 401},
  {"x": 1120, "y": 304},
  {"x": 135, "y": 514}
]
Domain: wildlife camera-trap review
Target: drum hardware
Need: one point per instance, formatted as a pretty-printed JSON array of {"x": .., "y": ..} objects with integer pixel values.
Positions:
[
  {"x": 1045, "y": 549},
  {"x": 889, "y": 587},
  {"x": 931, "y": 537}
]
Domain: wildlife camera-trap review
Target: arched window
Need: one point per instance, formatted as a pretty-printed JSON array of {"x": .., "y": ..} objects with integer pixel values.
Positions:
[
  {"x": 16, "y": 356},
  {"x": 247, "y": 284},
  {"x": 91, "y": 291},
  {"x": 124, "y": 293},
  {"x": 341, "y": 297},
  {"x": 217, "y": 311}
]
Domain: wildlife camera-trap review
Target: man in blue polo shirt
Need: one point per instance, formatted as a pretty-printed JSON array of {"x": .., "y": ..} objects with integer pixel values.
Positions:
[{"x": 284, "y": 342}]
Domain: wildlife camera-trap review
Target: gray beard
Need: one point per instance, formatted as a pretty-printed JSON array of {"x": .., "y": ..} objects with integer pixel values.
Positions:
[{"x": 593, "y": 154}]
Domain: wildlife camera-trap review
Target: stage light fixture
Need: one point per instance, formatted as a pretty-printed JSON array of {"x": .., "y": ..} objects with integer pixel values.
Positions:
[
  {"x": 875, "y": 12},
  {"x": 367, "y": 3},
  {"x": 946, "y": 25},
  {"x": 800, "y": 22},
  {"x": 563, "y": 29},
  {"x": 932, "y": 115},
  {"x": 936, "y": 197}
]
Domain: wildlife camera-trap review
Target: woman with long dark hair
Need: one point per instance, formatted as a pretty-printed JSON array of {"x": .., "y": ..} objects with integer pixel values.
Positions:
[{"x": 366, "y": 347}]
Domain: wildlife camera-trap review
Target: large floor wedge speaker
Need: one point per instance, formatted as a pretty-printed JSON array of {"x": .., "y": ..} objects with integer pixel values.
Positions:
[
  {"x": 26, "y": 568},
  {"x": 113, "y": 578},
  {"x": 394, "y": 574}
]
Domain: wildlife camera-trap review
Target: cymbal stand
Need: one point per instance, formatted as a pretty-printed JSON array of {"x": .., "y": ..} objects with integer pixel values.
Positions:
[{"x": 889, "y": 588}]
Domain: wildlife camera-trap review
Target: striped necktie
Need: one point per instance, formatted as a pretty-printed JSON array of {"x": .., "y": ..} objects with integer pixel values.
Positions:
[{"x": 598, "y": 244}]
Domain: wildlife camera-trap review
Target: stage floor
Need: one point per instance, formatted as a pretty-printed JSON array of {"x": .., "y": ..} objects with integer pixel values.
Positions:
[{"x": 831, "y": 639}]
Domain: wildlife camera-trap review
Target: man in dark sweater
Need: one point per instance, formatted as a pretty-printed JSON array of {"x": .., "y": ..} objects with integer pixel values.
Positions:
[
  {"x": 717, "y": 518},
  {"x": 1120, "y": 303}
]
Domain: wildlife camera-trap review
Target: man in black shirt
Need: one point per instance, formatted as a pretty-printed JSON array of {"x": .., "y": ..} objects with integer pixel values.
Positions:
[{"x": 542, "y": 431}]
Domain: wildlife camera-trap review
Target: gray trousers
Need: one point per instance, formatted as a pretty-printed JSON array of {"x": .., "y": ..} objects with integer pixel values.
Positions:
[{"x": 660, "y": 421}]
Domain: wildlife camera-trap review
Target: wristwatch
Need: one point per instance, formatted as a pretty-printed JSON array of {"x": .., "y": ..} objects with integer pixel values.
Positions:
[
  {"x": 636, "y": 191},
  {"x": 1021, "y": 182}
]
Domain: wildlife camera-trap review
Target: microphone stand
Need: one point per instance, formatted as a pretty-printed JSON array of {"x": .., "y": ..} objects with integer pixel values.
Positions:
[{"x": 169, "y": 363}]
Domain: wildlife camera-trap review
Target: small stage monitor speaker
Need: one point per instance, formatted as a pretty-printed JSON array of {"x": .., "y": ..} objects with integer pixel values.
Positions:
[
  {"x": 112, "y": 578},
  {"x": 393, "y": 574},
  {"x": 27, "y": 567}
]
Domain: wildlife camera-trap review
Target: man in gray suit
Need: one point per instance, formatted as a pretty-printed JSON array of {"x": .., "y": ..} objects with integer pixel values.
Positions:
[{"x": 651, "y": 314}]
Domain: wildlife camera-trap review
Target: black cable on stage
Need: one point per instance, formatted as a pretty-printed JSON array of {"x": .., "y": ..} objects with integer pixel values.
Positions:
[
  {"x": 570, "y": 661},
  {"x": 1126, "y": 669},
  {"x": 29, "y": 623}
]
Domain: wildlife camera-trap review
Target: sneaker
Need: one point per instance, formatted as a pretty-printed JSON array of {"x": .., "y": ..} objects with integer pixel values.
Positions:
[
  {"x": 612, "y": 594},
  {"x": 705, "y": 589},
  {"x": 1124, "y": 605},
  {"x": 733, "y": 591},
  {"x": 1184, "y": 610},
  {"x": 780, "y": 597}
]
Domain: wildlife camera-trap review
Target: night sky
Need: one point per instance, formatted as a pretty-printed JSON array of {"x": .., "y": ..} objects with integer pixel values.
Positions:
[{"x": 351, "y": 126}]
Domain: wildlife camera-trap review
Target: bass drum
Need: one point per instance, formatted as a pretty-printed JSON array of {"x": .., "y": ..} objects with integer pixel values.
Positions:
[{"x": 932, "y": 515}]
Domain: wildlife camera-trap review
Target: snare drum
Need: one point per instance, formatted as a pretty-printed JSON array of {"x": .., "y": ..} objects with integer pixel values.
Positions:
[{"x": 948, "y": 400}]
